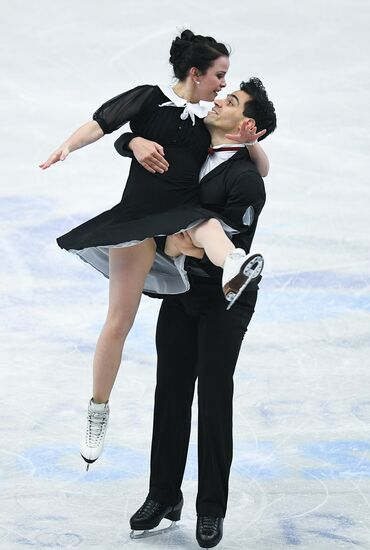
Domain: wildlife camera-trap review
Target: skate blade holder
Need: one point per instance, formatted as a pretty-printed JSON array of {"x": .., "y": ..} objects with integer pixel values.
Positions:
[
  {"x": 251, "y": 271},
  {"x": 153, "y": 532}
]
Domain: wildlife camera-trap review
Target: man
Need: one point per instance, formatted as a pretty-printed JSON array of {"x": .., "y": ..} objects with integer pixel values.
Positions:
[{"x": 198, "y": 339}]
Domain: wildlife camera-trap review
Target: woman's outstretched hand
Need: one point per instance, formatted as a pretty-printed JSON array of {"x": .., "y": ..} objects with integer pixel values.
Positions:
[
  {"x": 86, "y": 134},
  {"x": 60, "y": 154},
  {"x": 149, "y": 154},
  {"x": 247, "y": 133}
]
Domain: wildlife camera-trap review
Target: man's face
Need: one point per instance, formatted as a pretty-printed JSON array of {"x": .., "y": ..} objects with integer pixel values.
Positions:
[{"x": 227, "y": 114}]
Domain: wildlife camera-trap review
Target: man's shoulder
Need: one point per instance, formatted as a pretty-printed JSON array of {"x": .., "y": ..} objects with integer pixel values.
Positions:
[{"x": 244, "y": 168}]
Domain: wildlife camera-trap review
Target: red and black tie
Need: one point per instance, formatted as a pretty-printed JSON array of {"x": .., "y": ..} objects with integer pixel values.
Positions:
[{"x": 212, "y": 150}]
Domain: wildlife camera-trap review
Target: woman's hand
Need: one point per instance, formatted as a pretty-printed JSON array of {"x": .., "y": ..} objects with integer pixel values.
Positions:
[
  {"x": 247, "y": 132},
  {"x": 185, "y": 245},
  {"x": 86, "y": 134},
  {"x": 60, "y": 154},
  {"x": 149, "y": 154}
]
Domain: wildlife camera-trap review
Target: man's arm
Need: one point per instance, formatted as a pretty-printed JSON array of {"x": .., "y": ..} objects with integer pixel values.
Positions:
[{"x": 245, "y": 193}]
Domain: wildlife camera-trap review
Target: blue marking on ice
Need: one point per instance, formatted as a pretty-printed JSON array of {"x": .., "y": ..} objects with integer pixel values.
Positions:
[
  {"x": 65, "y": 463},
  {"x": 257, "y": 461},
  {"x": 294, "y": 529},
  {"x": 191, "y": 470},
  {"x": 344, "y": 459},
  {"x": 291, "y": 305},
  {"x": 290, "y": 532},
  {"x": 316, "y": 279},
  {"x": 14, "y": 208},
  {"x": 342, "y": 522}
]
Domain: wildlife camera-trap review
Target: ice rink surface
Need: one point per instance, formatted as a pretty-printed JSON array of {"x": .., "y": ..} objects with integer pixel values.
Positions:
[{"x": 301, "y": 470}]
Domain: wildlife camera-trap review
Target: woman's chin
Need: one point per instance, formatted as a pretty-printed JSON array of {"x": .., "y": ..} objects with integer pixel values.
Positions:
[{"x": 211, "y": 96}]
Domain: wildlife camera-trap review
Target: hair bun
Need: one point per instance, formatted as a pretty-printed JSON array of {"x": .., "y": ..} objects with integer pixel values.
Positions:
[
  {"x": 180, "y": 45},
  {"x": 187, "y": 35}
]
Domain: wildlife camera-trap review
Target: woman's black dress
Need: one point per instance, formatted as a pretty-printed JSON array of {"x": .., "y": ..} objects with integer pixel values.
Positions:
[{"x": 151, "y": 204}]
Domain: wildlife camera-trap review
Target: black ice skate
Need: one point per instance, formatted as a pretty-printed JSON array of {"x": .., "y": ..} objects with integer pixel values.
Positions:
[{"x": 149, "y": 516}]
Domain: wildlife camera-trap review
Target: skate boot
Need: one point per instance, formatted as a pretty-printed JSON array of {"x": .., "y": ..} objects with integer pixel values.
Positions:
[
  {"x": 92, "y": 442},
  {"x": 239, "y": 270},
  {"x": 151, "y": 513},
  {"x": 209, "y": 531}
]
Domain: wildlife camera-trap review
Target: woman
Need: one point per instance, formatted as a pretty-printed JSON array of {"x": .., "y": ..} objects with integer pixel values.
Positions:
[{"x": 119, "y": 242}]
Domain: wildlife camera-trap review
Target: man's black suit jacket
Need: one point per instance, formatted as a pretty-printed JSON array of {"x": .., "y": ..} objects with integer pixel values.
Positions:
[{"x": 234, "y": 190}]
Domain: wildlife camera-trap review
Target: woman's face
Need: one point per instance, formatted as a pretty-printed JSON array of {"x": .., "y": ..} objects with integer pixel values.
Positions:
[{"x": 213, "y": 80}]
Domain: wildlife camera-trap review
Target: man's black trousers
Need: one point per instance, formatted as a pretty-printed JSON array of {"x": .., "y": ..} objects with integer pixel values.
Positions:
[{"x": 196, "y": 338}]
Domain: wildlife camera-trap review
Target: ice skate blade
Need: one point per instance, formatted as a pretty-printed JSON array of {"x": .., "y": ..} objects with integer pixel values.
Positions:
[
  {"x": 151, "y": 533},
  {"x": 251, "y": 273},
  {"x": 240, "y": 291},
  {"x": 88, "y": 461}
]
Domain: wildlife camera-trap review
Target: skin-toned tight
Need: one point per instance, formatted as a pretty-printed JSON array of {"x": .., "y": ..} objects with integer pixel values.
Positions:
[
  {"x": 210, "y": 236},
  {"x": 128, "y": 268}
]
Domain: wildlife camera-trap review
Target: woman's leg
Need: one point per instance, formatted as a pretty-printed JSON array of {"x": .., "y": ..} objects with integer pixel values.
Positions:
[
  {"x": 170, "y": 247},
  {"x": 239, "y": 268},
  {"x": 128, "y": 268},
  {"x": 210, "y": 236}
]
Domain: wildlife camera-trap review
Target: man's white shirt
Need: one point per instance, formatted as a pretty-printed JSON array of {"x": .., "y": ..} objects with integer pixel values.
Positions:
[{"x": 212, "y": 161}]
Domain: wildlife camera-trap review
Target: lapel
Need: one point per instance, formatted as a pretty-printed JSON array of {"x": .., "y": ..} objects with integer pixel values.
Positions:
[{"x": 242, "y": 154}]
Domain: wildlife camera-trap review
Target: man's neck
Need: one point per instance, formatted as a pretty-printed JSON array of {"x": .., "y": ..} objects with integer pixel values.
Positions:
[{"x": 218, "y": 137}]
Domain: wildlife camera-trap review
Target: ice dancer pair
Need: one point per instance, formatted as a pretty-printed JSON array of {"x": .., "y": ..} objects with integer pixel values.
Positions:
[{"x": 119, "y": 242}]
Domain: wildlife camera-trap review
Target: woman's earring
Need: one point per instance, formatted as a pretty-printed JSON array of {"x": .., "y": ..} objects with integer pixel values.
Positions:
[{"x": 197, "y": 81}]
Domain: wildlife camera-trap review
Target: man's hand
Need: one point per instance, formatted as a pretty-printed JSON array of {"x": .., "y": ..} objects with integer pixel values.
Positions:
[
  {"x": 149, "y": 154},
  {"x": 185, "y": 245},
  {"x": 247, "y": 133}
]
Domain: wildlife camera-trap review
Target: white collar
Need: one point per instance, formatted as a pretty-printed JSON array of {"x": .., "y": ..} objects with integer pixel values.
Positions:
[
  {"x": 236, "y": 146},
  {"x": 190, "y": 109}
]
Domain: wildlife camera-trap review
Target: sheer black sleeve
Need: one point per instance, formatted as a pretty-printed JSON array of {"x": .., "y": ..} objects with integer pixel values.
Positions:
[
  {"x": 115, "y": 112},
  {"x": 121, "y": 144}
]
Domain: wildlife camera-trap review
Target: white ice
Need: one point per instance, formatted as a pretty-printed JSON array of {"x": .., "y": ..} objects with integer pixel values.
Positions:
[{"x": 301, "y": 469}]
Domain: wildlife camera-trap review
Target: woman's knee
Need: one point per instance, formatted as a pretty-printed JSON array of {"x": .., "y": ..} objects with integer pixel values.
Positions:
[{"x": 118, "y": 326}]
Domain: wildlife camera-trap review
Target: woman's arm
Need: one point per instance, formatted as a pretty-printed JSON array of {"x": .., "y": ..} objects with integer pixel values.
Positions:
[
  {"x": 88, "y": 133},
  {"x": 259, "y": 157},
  {"x": 110, "y": 116}
]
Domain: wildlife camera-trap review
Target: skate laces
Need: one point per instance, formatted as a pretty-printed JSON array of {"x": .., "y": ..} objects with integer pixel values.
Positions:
[
  {"x": 208, "y": 523},
  {"x": 96, "y": 424},
  {"x": 149, "y": 506}
]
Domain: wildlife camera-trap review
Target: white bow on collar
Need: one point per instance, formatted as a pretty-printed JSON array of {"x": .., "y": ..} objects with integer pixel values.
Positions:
[{"x": 190, "y": 109}]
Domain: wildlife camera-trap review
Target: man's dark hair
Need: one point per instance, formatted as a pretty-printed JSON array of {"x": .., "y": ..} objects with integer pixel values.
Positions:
[{"x": 260, "y": 108}]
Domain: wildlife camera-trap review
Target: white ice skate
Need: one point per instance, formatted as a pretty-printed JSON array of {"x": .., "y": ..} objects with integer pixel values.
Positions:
[
  {"x": 239, "y": 270},
  {"x": 92, "y": 442}
]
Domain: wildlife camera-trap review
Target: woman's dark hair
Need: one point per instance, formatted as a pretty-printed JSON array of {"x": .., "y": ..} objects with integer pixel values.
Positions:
[
  {"x": 190, "y": 50},
  {"x": 260, "y": 108}
]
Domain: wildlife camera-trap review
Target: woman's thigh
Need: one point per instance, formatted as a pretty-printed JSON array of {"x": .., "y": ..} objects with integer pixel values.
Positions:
[{"x": 128, "y": 268}]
